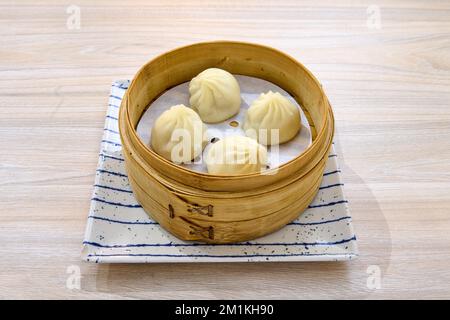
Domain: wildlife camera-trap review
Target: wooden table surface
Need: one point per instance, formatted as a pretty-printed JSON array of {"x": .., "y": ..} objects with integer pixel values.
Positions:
[{"x": 385, "y": 66}]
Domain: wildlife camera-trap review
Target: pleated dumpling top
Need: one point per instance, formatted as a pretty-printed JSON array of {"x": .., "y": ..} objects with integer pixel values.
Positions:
[
  {"x": 236, "y": 155},
  {"x": 272, "y": 115},
  {"x": 215, "y": 95},
  {"x": 179, "y": 135}
]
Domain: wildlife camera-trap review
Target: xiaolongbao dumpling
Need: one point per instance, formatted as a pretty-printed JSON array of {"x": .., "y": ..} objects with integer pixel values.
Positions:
[
  {"x": 215, "y": 95},
  {"x": 236, "y": 155},
  {"x": 272, "y": 111},
  {"x": 178, "y": 134}
]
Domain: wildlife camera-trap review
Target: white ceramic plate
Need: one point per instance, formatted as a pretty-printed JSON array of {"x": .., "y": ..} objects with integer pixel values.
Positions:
[{"x": 119, "y": 231}]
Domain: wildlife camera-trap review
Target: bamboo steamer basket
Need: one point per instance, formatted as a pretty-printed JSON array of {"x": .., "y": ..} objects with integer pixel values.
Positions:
[{"x": 215, "y": 208}]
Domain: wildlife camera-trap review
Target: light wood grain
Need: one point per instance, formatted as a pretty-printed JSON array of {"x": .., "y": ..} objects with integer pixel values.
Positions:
[{"x": 390, "y": 90}]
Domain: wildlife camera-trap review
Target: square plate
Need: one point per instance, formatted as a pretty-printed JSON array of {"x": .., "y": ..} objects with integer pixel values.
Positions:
[{"x": 119, "y": 231}]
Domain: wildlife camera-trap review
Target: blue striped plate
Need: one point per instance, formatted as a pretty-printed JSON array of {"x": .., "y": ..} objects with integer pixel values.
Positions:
[{"x": 119, "y": 231}]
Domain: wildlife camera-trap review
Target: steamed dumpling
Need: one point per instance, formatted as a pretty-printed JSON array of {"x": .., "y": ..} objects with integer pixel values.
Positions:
[
  {"x": 178, "y": 134},
  {"x": 272, "y": 111},
  {"x": 215, "y": 95},
  {"x": 236, "y": 155}
]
